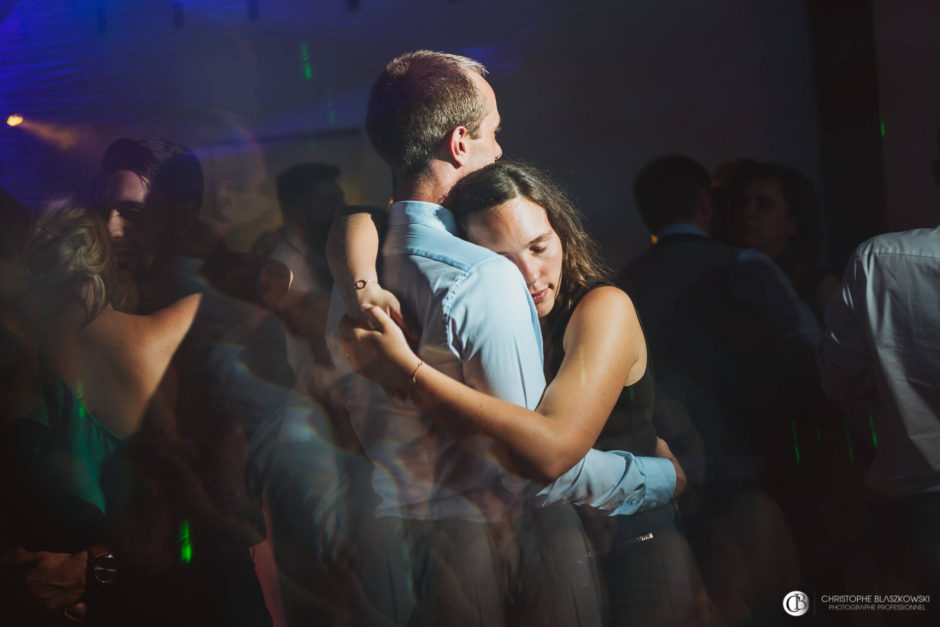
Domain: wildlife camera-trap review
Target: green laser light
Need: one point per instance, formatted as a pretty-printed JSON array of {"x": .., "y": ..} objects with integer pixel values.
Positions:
[{"x": 186, "y": 548}]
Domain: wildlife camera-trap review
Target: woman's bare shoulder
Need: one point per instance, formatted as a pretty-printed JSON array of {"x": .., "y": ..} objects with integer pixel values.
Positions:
[
  {"x": 604, "y": 303},
  {"x": 605, "y": 325}
]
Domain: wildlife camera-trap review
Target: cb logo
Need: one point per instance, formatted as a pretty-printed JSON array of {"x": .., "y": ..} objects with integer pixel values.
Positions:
[{"x": 796, "y": 603}]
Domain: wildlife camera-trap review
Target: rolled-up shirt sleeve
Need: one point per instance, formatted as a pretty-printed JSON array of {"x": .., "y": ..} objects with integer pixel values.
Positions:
[{"x": 613, "y": 481}]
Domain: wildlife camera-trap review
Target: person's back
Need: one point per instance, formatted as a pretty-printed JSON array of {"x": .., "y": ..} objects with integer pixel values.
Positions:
[
  {"x": 882, "y": 340},
  {"x": 97, "y": 371},
  {"x": 113, "y": 360},
  {"x": 880, "y": 356},
  {"x": 456, "y": 291},
  {"x": 712, "y": 348},
  {"x": 728, "y": 337},
  {"x": 118, "y": 359},
  {"x": 693, "y": 295},
  {"x": 419, "y": 266},
  {"x": 724, "y": 328},
  {"x": 662, "y": 277}
]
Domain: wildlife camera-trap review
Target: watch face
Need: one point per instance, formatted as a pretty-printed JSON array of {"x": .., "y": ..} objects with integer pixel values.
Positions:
[{"x": 105, "y": 569}]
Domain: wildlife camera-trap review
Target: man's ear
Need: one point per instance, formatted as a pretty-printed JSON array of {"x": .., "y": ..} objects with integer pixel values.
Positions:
[{"x": 456, "y": 145}]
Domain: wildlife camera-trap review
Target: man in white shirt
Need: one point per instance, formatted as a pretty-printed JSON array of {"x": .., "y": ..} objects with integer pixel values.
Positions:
[{"x": 881, "y": 351}]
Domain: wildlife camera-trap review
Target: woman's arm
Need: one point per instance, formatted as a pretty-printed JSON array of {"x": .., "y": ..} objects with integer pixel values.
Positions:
[
  {"x": 351, "y": 251},
  {"x": 138, "y": 352},
  {"x": 167, "y": 327},
  {"x": 603, "y": 344}
]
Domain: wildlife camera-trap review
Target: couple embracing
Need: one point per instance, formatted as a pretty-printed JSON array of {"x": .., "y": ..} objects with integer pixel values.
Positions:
[{"x": 523, "y": 357}]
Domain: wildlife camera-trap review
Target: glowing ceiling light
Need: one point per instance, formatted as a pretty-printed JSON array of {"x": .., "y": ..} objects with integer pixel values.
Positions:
[{"x": 14, "y": 120}]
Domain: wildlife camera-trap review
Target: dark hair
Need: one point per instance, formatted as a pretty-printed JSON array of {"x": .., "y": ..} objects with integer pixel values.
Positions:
[
  {"x": 504, "y": 180},
  {"x": 68, "y": 249},
  {"x": 168, "y": 168},
  {"x": 798, "y": 192},
  {"x": 726, "y": 187},
  {"x": 666, "y": 189},
  {"x": 417, "y": 100},
  {"x": 294, "y": 183}
]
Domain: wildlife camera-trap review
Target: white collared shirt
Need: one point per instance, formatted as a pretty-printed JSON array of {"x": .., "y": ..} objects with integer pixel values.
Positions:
[{"x": 883, "y": 341}]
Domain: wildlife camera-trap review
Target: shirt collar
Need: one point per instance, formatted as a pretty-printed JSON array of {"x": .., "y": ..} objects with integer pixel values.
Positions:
[
  {"x": 424, "y": 213},
  {"x": 682, "y": 228}
]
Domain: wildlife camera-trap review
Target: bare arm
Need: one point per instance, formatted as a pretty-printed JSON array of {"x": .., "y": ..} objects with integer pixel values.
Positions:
[
  {"x": 603, "y": 344},
  {"x": 126, "y": 358},
  {"x": 351, "y": 251},
  {"x": 170, "y": 325}
]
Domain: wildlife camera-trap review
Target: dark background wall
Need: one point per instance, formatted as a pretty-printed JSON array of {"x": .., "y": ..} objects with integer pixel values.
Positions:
[
  {"x": 589, "y": 89},
  {"x": 908, "y": 45}
]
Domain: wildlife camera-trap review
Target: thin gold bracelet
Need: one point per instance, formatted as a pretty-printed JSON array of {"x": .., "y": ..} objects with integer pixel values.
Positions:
[{"x": 414, "y": 374}]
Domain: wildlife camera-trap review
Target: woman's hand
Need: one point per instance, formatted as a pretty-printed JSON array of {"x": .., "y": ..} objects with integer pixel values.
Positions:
[
  {"x": 373, "y": 294},
  {"x": 377, "y": 349},
  {"x": 663, "y": 450}
]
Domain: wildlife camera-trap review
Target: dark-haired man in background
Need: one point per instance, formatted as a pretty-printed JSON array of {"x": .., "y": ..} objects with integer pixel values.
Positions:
[
  {"x": 733, "y": 343},
  {"x": 151, "y": 194},
  {"x": 725, "y": 326},
  {"x": 717, "y": 317}
]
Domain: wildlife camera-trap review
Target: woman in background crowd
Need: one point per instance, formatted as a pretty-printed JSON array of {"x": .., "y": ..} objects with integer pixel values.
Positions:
[
  {"x": 84, "y": 374},
  {"x": 775, "y": 209}
]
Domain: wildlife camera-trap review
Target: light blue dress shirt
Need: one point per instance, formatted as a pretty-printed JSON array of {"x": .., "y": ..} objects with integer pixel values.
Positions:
[{"x": 479, "y": 326}]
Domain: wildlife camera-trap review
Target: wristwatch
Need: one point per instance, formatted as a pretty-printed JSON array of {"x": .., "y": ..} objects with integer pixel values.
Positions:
[{"x": 102, "y": 567}]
